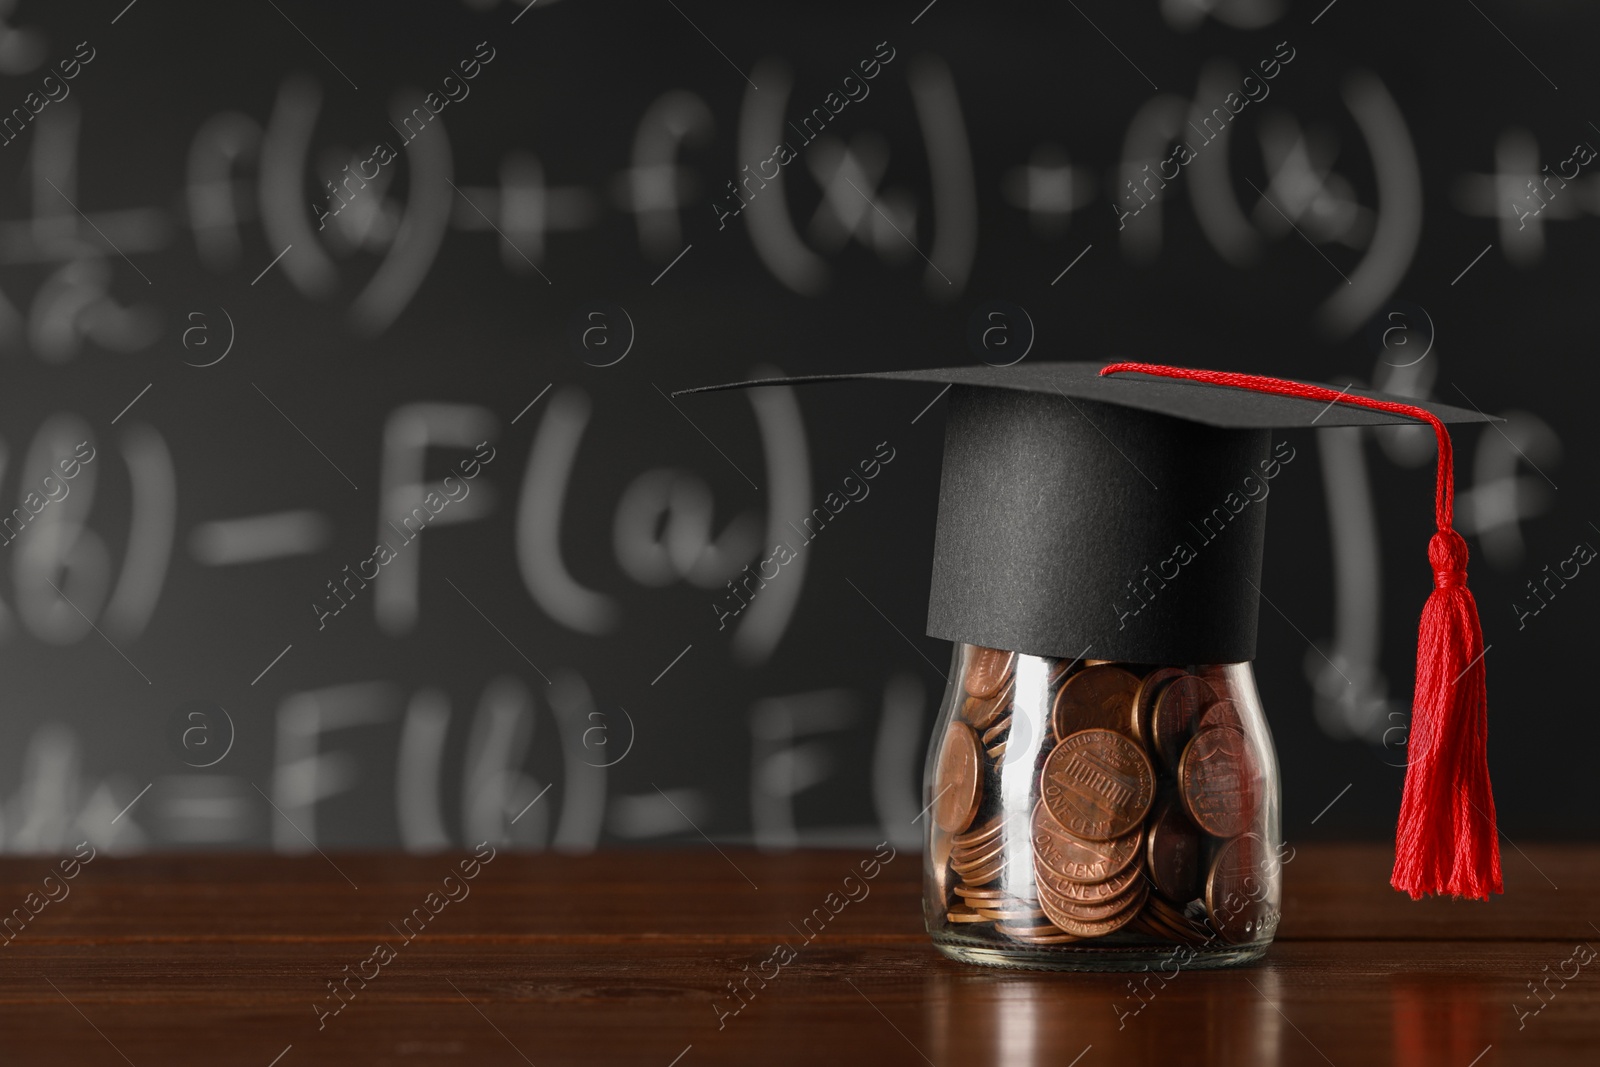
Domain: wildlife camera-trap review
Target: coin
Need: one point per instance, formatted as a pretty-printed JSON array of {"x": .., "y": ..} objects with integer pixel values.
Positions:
[
  {"x": 1012, "y": 914},
  {"x": 981, "y": 834},
  {"x": 1097, "y": 784},
  {"x": 1172, "y": 853},
  {"x": 1222, "y": 713},
  {"x": 988, "y": 670},
  {"x": 982, "y": 712},
  {"x": 1099, "y": 697},
  {"x": 986, "y": 874},
  {"x": 1145, "y": 699},
  {"x": 1059, "y": 905},
  {"x": 997, "y": 752},
  {"x": 1043, "y": 934},
  {"x": 1172, "y": 917},
  {"x": 965, "y": 915},
  {"x": 1142, "y": 924},
  {"x": 977, "y": 846},
  {"x": 1168, "y": 925},
  {"x": 1076, "y": 859},
  {"x": 1148, "y": 921},
  {"x": 1098, "y": 927},
  {"x": 972, "y": 894},
  {"x": 973, "y": 859},
  {"x": 942, "y": 845},
  {"x": 1236, "y": 891},
  {"x": 1169, "y": 910},
  {"x": 997, "y": 731},
  {"x": 960, "y": 779},
  {"x": 1214, "y": 780},
  {"x": 1177, "y": 709},
  {"x": 1046, "y": 880}
]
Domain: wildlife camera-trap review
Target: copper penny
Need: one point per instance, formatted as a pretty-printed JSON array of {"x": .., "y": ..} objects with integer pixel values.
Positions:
[
  {"x": 1086, "y": 892},
  {"x": 988, "y": 670},
  {"x": 1145, "y": 699},
  {"x": 985, "y": 875},
  {"x": 973, "y": 893},
  {"x": 1044, "y": 934},
  {"x": 1236, "y": 890},
  {"x": 1167, "y": 909},
  {"x": 997, "y": 731},
  {"x": 975, "y": 858},
  {"x": 978, "y": 846},
  {"x": 1222, "y": 713},
  {"x": 1172, "y": 853},
  {"x": 1099, "y": 927},
  {"x": 1097, "y": 784},
  {"x": 964, "y": 915},
  {"x": 976, "y": 863},
  {"x": 982, "y": 712},
  {"x": 1168, "y": 928},
  {"x": 1096, "y": 698},
  {"x": 1132, "y": 897},
  {"x": 1177, "y": 711},
  {"x": 1012, "y": 914},
  {"x": 1170, "y": 914},
  {"x": 960, "y": 779},
  {"x": 1076, "y": 859},
  {"x": 1141, "y": 924},
  {"x": 1214, "y": 779},
  {"x": 980, "y": 834}
]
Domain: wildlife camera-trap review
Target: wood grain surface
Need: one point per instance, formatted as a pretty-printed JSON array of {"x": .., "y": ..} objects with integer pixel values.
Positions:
[{"x": 625, "y": 958}]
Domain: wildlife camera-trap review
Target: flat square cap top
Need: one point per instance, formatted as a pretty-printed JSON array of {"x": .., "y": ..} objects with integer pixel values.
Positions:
[{"x": 1209, "y": 405}]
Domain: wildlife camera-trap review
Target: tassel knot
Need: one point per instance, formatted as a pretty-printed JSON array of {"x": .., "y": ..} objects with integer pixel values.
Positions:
[{"x": 1447, "y": 550}]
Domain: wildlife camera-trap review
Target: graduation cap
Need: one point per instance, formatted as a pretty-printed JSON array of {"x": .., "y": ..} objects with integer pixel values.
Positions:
[{"x": 1118, "y": 512}]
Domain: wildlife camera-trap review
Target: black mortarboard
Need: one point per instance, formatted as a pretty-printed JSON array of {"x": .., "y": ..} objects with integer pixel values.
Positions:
[
  {"x": 1118, "y": 512},
  {"x": 1114, "y": 517}
]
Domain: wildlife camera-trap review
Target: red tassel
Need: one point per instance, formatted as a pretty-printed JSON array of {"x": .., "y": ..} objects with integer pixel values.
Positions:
[{"x": 1446, "y": 840}]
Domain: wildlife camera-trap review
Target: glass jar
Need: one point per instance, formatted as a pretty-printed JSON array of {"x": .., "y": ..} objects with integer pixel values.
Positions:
[{"x": 1095, "y": 815}]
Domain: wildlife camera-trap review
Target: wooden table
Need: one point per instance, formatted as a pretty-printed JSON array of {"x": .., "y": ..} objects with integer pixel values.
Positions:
[{"x": 620, "y": 958}]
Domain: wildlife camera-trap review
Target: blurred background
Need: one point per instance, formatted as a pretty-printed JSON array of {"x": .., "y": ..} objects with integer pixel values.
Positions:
[{"x": 271, "y": 271}]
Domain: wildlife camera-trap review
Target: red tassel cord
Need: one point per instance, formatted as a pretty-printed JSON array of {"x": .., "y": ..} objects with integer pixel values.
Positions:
[{"x": 1446, "y": 840}]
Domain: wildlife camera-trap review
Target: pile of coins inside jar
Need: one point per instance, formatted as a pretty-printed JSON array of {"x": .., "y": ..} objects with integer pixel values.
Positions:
[{"x": 1145, "y": 798}]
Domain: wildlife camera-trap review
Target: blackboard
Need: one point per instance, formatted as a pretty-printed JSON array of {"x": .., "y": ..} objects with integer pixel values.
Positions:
[{"x": 273, "y": 272}]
